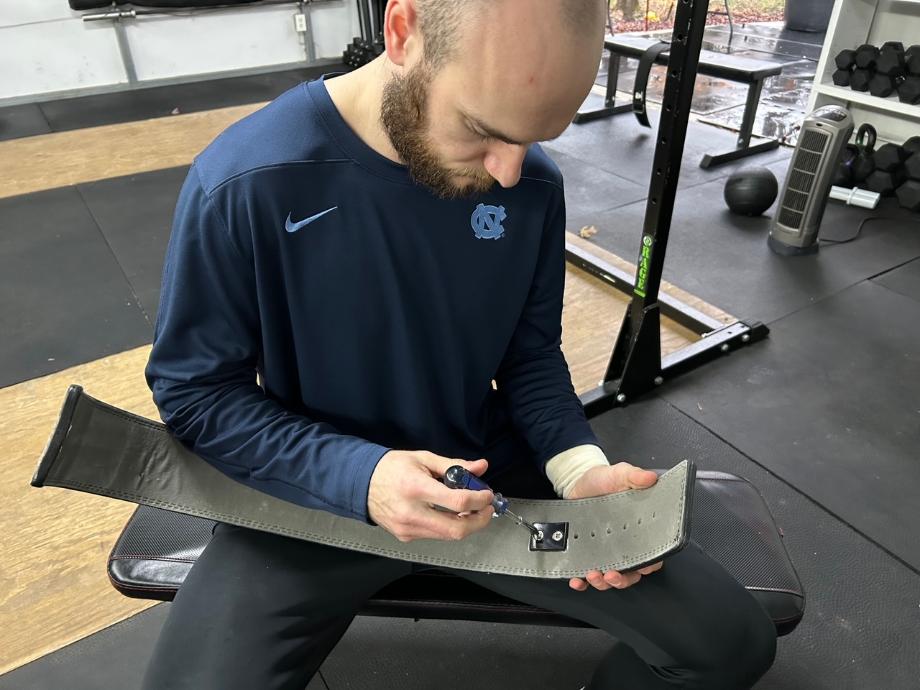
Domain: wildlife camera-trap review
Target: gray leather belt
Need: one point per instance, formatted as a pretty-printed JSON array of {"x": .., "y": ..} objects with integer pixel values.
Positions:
[{"x": 103, "y": 450}]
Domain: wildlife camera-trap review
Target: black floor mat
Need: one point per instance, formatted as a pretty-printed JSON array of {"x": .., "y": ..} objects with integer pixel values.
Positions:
[
  {"x": 620, "y": 145},
  {"x": 135, "y": 215},
  {"x": 859, "y": 629},
  {"x": 64, "y": 300},
  {"x": 155, "y": 101},
  {"x": 22, "y": 121},
  {"x": 829, "y": 402},
  {"x": 590, "y": 190},
  {"x": 906, "y": 279},
  {"x": 400, "y": 654},
  {"x": 724, "y": 259},
  {"x": 112, "y": 658}
]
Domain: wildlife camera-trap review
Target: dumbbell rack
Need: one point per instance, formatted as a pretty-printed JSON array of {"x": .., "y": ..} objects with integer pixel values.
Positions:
[{"x": 852, "y": 23}]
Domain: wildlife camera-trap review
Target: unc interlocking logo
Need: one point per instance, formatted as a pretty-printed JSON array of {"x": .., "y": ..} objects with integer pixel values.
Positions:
[{"x": 487, "y": 222}]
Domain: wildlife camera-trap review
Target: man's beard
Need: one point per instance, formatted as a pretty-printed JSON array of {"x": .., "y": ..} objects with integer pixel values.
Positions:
[{"x": 403, "y": 113}]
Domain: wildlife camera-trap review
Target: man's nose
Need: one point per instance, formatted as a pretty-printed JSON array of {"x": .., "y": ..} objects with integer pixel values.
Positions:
[{"x": 504, "y": 161}]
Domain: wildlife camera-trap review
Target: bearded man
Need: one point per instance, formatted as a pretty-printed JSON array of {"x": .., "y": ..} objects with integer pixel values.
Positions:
[{"x": 363, "y": 287}]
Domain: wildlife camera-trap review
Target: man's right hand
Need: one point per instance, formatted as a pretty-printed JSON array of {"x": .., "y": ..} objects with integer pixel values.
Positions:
[{"x": 407, "y": 484}]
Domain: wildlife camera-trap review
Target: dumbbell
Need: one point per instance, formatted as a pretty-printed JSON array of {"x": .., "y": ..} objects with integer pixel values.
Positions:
[
  {"x": 912, "y": 165},
  {"x": 845, "y": 61},
  {"x": 885, "y": 182},
  {"x": 912, "y": 146},
  {"x": 855, "y": 68},
  {"x": 883, "y": 85},
  {"x": 890, "y": 70},
  {"x": 912, "y": 60},
  {"x": 909, "y": 90},
  {"x": 889, "y": 156},
  {"x": 891, "y": 59},
  {"x": 841, "y": 77},
  {"x": 859, "y": 80},
  {"x": 909, "y": 195},
  {"x": 909, "y": 192},
  {"x": 866, "y": 55},
  {"x": 889, "y": 172}
]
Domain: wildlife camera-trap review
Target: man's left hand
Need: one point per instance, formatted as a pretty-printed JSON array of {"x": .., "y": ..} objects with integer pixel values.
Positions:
[{"x": 600, "y": 481}]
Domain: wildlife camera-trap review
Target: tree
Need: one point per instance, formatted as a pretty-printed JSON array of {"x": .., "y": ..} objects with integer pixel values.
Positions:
[{"x": 628, "y": 8}]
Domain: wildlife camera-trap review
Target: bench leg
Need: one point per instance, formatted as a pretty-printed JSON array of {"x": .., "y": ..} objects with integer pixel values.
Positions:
[
  {"x": 750, "y": 113},
  {"x": 744, "y": 136},
  {"x": 712, "y": 161},
  {"x": 609, "y": 108}
]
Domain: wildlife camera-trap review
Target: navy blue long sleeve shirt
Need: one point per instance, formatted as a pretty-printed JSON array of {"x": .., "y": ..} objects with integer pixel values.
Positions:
[{"x": 320, "y": 308}]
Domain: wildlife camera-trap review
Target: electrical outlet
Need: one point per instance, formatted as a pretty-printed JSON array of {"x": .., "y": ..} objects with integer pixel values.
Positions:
[{"x": 300, "y": 23}]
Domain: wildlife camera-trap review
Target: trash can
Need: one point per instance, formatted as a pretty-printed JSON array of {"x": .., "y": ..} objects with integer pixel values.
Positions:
[{"x": 808, "y": 15}]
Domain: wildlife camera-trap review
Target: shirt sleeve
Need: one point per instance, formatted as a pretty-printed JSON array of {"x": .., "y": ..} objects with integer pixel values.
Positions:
[
  {"x": 203, "y": 374},
  {"x": 534, "y": 377}
]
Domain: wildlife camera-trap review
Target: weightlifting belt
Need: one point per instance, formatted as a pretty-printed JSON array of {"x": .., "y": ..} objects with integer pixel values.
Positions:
[
  {"x": 640, "y": 85},
  {"x": 100, "y": 449}
]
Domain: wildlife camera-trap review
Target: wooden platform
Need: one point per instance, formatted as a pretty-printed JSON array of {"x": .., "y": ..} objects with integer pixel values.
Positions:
[{"x": 54, "y": 160}]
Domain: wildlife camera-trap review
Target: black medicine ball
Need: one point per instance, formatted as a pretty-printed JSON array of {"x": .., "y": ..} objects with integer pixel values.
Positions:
[{"x": 751, "y": 191}]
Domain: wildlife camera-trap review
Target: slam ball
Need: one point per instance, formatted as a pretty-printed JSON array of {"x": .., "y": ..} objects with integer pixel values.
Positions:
[{"x": 751, "y": 191}]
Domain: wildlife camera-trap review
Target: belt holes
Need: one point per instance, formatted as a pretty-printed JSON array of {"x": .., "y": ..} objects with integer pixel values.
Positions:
[
  {"x": 608, "y": 530},
  {"x": 640, "y": 521},
  {"x": 592, "y": 535}
]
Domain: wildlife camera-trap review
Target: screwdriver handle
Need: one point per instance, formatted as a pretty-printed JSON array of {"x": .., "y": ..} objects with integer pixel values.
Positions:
[{"x": 457, "y": 477}]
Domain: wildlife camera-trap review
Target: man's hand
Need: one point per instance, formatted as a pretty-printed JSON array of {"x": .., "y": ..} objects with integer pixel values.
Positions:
[
  {"x": 407, "y": 484},
  {"x": 600, "y": 481}
]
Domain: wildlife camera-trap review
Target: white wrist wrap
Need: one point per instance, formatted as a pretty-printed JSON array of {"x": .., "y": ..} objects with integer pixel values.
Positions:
[{"x": 566, "y": 468}]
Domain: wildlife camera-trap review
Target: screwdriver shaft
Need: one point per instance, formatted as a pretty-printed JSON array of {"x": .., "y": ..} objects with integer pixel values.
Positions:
[{"x": 521, "y": 521}]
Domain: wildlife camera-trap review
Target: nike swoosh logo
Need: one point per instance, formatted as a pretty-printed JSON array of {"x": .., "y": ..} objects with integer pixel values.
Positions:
[{"x": 294, "y": 227}]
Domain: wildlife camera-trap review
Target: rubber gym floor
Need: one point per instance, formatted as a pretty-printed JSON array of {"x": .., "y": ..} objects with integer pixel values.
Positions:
[{"x": 823, "y": 417}]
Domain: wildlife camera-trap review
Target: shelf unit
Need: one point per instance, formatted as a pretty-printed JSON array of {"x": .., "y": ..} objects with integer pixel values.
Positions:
[{"x": 852, "y": 23}]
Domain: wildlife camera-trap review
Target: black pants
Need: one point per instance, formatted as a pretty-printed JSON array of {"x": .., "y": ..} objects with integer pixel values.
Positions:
[{"x": 262, "y": 611}]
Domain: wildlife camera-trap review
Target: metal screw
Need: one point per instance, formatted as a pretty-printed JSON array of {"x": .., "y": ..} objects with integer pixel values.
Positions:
[
  {"x": 745, "y": 338},
  {"x": 557, "y": 535},
  {"x": 621, "y": 398},
  {"x": 659, "y": 380},
  {"x": 725, "y": 347},
  {"x": 539, "y": 535}
]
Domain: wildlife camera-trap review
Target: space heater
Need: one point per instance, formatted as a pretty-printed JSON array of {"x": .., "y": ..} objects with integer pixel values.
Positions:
[{"x": 805, "y": 193}]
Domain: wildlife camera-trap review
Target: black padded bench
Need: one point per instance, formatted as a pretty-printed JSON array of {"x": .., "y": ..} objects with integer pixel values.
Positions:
[
  {"x": 723, "y": 66},
  {"x": 730, "y": 521}
]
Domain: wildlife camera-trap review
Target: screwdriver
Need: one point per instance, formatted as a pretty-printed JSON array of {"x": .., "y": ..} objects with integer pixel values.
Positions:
[{"x": 457, "y": 477}]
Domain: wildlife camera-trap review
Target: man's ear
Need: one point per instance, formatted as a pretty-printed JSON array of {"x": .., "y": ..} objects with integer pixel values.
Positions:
[{"x": 400, "y": 32}]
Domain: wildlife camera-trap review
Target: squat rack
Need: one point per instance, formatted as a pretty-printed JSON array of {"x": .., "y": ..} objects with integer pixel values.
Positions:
[{"x": 636, "y": 365}]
